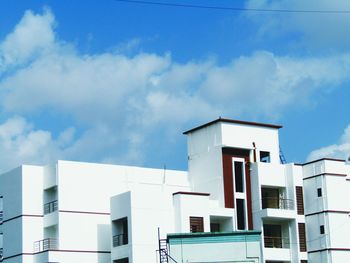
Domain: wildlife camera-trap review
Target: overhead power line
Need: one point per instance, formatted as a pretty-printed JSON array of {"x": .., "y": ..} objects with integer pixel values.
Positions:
[{"x": 236, "y": 8}]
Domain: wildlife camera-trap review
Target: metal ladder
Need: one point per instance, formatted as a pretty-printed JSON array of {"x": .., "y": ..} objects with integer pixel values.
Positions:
[
  {"x": 163, "y": 251},
  {"x": 282, "y": 158}
]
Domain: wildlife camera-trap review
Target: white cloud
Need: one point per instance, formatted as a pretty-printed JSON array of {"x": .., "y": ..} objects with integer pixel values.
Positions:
[
  {"x": 315, "y": 29},
  {"x": 32, "y": 34},
  {"x": 21, "y": 143},
  {"x": 340, "y": 150},
  {"x": 120, "y": 104}
]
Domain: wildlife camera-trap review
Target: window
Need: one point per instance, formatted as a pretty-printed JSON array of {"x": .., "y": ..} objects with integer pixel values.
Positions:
[
  {"x": 196, "y": 224},
  {"x": 265, "y": 157},
  {"x": 302, "y": 237},
  {"x": 240, "y": 214},
  {"x": 300, "y": 200},
  {"x": 321, "y": 229},
  {"x": 319, "y": 192},
  {"x": 239, "y": 177}
]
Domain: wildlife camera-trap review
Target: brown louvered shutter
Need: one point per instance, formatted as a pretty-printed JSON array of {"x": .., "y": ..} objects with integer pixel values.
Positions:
[
  {"x": 300, "y": 200},
  {"x": 196, "y": 224},
  {"x": 302, "y": 237},
  {"x": 303, "y": 261}
]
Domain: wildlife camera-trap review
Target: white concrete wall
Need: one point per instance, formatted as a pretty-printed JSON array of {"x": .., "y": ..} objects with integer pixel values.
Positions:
[
  {"x": 205, "y": 162},
  {"x": 339, "y": 230},
  {"x": 190, "y": 205},
  {"x": 84, "y": 192},
  {"x": 151, "y": 209},
  {"x": 121, "y": 208},
  {"x": 32, "y": 205},
  {"x": 69, "y": 257},
  {"x": 270, "y": 174},
  {"x": 243, "y": 136},
  {"x": 335, "y": 192},
  {"x": 11, "y": 190}
]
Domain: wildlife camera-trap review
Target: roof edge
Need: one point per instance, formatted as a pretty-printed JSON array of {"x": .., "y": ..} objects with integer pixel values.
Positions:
[
  {"x": 325, "y": 159},
  {"x": 208, "y": 234},
  {"x": 191, "y": 193},
  {"x": 267, "y": 125}
]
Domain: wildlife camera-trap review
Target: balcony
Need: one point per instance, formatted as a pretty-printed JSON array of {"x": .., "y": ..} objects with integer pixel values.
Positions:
[
  {"x": 276, "y": 242},
  {"x": 277, "y": 249},
  {"x": 1, "y": 254},
  {"x": 277, "y": 203},
  {"x": 50, "y": 207},
  {"x": 278, "y": 208},
  {"x": 119, "y": 240},
  {"x": 45, "y": 245},
  {"x": 1, "y": 217}
]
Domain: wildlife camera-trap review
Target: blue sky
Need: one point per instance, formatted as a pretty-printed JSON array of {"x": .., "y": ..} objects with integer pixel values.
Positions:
[{"x": 119, "y": 82}]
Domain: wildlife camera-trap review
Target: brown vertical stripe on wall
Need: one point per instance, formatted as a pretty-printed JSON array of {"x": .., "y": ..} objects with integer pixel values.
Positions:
[
  {"x": 302, "y": 237},
  {"x": 228, "y": 180},
  {"x": 249, "y": 193},
  {"x": 227, "y": 155},
  {"x": 300, "y": 200}
]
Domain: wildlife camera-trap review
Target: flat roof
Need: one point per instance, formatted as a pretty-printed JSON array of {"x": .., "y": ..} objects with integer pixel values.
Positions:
[
  {"x": 267, "y": 125},
  {"x": 208, "y": 234},
  {"x": 325, "y": 159}
]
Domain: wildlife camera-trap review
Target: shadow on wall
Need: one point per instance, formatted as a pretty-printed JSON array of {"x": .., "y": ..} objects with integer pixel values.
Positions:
[{"x": 104, "y": 243}]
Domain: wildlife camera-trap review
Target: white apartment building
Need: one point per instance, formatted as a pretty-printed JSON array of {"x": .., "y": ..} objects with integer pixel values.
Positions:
[{"x": 238, "y": 202}]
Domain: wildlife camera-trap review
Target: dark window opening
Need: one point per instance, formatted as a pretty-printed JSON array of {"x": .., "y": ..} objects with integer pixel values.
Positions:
[
  {"x": 319, "y": 192},
  {"x": 240, "y": 214},
  {"x": 273, "y": 236},
  {"x": 120, "y": 236},
  {"x": 321, "y": 229},
  {"x": 214, "y": 227},
  {"x": 196, "y": 224},
  {"x": 239, "y": 179},
  {"x": 270, "y": 197},
  {"x": 265, "y": 157},
  {"x": 123, "y": 260}
]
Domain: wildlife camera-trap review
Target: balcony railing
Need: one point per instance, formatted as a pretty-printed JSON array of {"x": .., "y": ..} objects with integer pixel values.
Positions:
[
  {"x": 1, "y": 254},
  {"x": 276, "y": 242},
  {"x": 50, "y": 207},
  {"x": 277, "y": 203},
  {"x": 1, "y": 217},
  {"x": 119, "y": 240},
  {"x": 45, "y": 244}
]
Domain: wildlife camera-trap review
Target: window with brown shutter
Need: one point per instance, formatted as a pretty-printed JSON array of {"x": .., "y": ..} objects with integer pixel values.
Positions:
[
  {"x": 302, "y": 237},
  {"x": 300, "y": 200},
  {"x": 303, "y": 261},
  {"x": 196, "y": 224}
]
